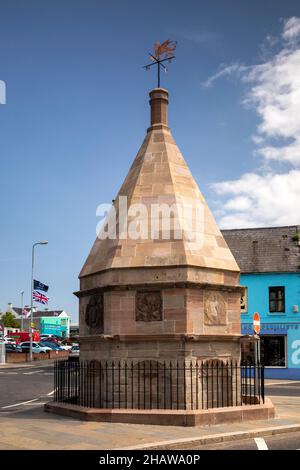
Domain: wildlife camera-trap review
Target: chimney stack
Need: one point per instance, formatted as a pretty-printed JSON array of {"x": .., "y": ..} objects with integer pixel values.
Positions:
[{"x": 159, "y": 99}]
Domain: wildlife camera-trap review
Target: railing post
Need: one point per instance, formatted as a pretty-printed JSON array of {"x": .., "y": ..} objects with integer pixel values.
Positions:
[
  {"x": 132, "y": 385},
  {"x": 207, "y": 385},
  {"x": 236, "y": 384},
  {"x": 171, "y": 386},
  {"x": 55, "y": 384},
  {"x": 125, "y": 396},
  {"x": 197, "y": 385},
  {"x": 138, "y": 385},
  {"x": 191, "y": 379},
  {"x": 217, "y": 368},
  {"x": 212, "y": 383},
  {"x": 150, "y": 371},
  {"x": 157, "y": 385},
  {"x": 202, "y": 386},
  {"x": 165, "y": 406},
  {"x": 100, "y": 385},
  {"x": 119, "y": 378},
  {"x": 263, "y": 383},
  {"x": 106, "y": 383},
  {"x": 144, "y": 380}
]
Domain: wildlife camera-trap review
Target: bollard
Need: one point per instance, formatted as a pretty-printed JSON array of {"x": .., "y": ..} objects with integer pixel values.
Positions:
[{"x": 2, "y": 352}]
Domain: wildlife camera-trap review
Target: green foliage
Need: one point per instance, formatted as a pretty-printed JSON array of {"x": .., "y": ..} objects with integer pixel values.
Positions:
[
  {"x": 296, "y": 237},
  {"x": 9, "y": 320}
]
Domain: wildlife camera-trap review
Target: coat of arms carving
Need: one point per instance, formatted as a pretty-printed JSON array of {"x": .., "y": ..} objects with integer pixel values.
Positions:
[
  {"x": 148, "y": 306},
  {"x": 94, "y": 314}
]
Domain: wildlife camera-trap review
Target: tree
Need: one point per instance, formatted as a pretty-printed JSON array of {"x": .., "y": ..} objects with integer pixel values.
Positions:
[{"x": 9, "y": 320}]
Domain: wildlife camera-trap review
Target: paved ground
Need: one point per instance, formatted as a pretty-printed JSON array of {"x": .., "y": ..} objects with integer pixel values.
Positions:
[{"x": 24, "y": 424}]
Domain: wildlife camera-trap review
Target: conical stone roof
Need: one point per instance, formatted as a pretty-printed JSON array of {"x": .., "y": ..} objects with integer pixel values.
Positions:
[{"x": 160, "y": 176}]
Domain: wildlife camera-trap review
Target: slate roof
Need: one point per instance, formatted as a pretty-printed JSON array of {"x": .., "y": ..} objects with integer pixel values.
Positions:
[
  {"x": 39, "y": 313},
  {"x": 261, "y": 250},
  {"x": 47, "y": 313},
  {"x": 18, "y": 310}
]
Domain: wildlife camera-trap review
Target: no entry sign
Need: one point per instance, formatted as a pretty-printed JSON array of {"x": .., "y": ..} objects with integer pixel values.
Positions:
[{"x": 256, "y": 323}]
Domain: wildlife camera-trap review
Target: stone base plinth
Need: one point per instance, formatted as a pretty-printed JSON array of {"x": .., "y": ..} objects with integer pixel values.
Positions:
[{"x": 166, "y": 417}]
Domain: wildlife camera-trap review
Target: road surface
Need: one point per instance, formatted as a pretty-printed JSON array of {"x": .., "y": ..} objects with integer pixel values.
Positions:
[{"x": 23, "y": 387}]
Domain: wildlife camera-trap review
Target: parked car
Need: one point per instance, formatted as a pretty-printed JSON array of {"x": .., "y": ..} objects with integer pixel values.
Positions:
[
  {"x": 66, "y": 347},
  {"x": 36, "y": 348},
  {"x": 44, "y": 346},
  {"x": 46, "y": 336},
  {"x": 74, "y": 352},
  {"x": 51, "y": 345},
  {"x": 12, "y": 348},
  {"x": 51, "y": 339},
  {"x": 9, "y": 340}
]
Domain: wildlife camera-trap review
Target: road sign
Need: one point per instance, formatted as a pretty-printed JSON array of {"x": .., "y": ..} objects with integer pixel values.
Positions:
[{"x": 256, "y": 323}]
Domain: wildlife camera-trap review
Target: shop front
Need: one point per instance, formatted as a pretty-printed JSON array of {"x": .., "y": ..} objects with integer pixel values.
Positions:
[{"x": 279, "y": 349}]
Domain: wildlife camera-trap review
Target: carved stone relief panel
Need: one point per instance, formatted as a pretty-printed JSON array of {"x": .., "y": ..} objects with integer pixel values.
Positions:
[
  {"x": 148, "y": 306},
  {"x": 94, "y": 314},
  {"x": 214, "y": 308}
]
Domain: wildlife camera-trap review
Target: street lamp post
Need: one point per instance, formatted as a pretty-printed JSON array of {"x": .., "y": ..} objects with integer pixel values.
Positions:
[
  {"x": 31, "y": 304},
  {"x": 22, "y": 296}
]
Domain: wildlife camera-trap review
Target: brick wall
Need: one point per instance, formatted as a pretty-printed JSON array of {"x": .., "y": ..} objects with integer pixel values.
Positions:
[{"x": 12, "y": 358}]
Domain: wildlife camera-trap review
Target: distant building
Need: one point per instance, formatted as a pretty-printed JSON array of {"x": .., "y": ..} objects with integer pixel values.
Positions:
[
  {"x": 55, "y": 322},
  {"x": 269, "y": 259},
  {"x": 74, "y": 329}
]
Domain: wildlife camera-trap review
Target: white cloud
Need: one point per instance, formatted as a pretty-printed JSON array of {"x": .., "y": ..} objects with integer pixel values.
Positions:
[
  {"x": 261, "y": 200},
  {"x": 228, "y": 70},
  {"x": 275, "y": 94},
  {"x": 272, "y": 88},
  {"x": 291, "y": 28}
]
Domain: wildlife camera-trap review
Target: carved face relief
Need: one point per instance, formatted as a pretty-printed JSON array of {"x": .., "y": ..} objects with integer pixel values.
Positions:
[
  {"x": 148, "y": 306},
  {"x": 214, "y": 308},
  {"x": 94, "y": 314}
]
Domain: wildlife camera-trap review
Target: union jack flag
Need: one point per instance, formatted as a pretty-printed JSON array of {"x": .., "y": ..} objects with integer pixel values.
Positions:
[{"x": 38, "y": 297}]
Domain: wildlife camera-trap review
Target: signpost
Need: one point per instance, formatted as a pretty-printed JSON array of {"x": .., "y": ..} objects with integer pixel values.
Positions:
[
  {"x": 256, "y": 328},
  {"x": 256, "y": 323},
  {"x": 2, "y": 346}
]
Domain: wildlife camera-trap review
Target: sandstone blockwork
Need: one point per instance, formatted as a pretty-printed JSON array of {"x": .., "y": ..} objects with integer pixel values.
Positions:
[
  {"x": 214, "y": 308},
  {"x": 94, "y": 314},
  {"x": 148, "y": 306}
]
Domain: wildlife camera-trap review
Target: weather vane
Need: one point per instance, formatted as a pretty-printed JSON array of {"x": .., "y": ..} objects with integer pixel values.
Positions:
[{"x": 162, "y": 52}]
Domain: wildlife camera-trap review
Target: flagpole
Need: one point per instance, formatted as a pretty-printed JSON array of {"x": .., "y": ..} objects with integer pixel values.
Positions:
[
  {"x": 22, "y": 313},
  {"x": 31, "y": 302}
]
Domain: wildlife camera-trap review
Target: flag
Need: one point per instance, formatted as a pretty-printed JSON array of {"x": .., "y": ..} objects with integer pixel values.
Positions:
[
  {"x": 39, "y": 297},
  {"x": 37, "y": 285}
]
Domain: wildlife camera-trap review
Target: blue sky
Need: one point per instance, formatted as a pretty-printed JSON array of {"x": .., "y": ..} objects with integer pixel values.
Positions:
[{"x": 77, "y": 109}]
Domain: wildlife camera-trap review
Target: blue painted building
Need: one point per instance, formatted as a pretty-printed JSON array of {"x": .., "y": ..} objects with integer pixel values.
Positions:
[{"x": 269, "y": 259}]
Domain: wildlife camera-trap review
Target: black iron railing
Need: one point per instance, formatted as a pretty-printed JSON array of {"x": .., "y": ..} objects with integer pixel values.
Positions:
[{"x": 153, "y": 384}]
